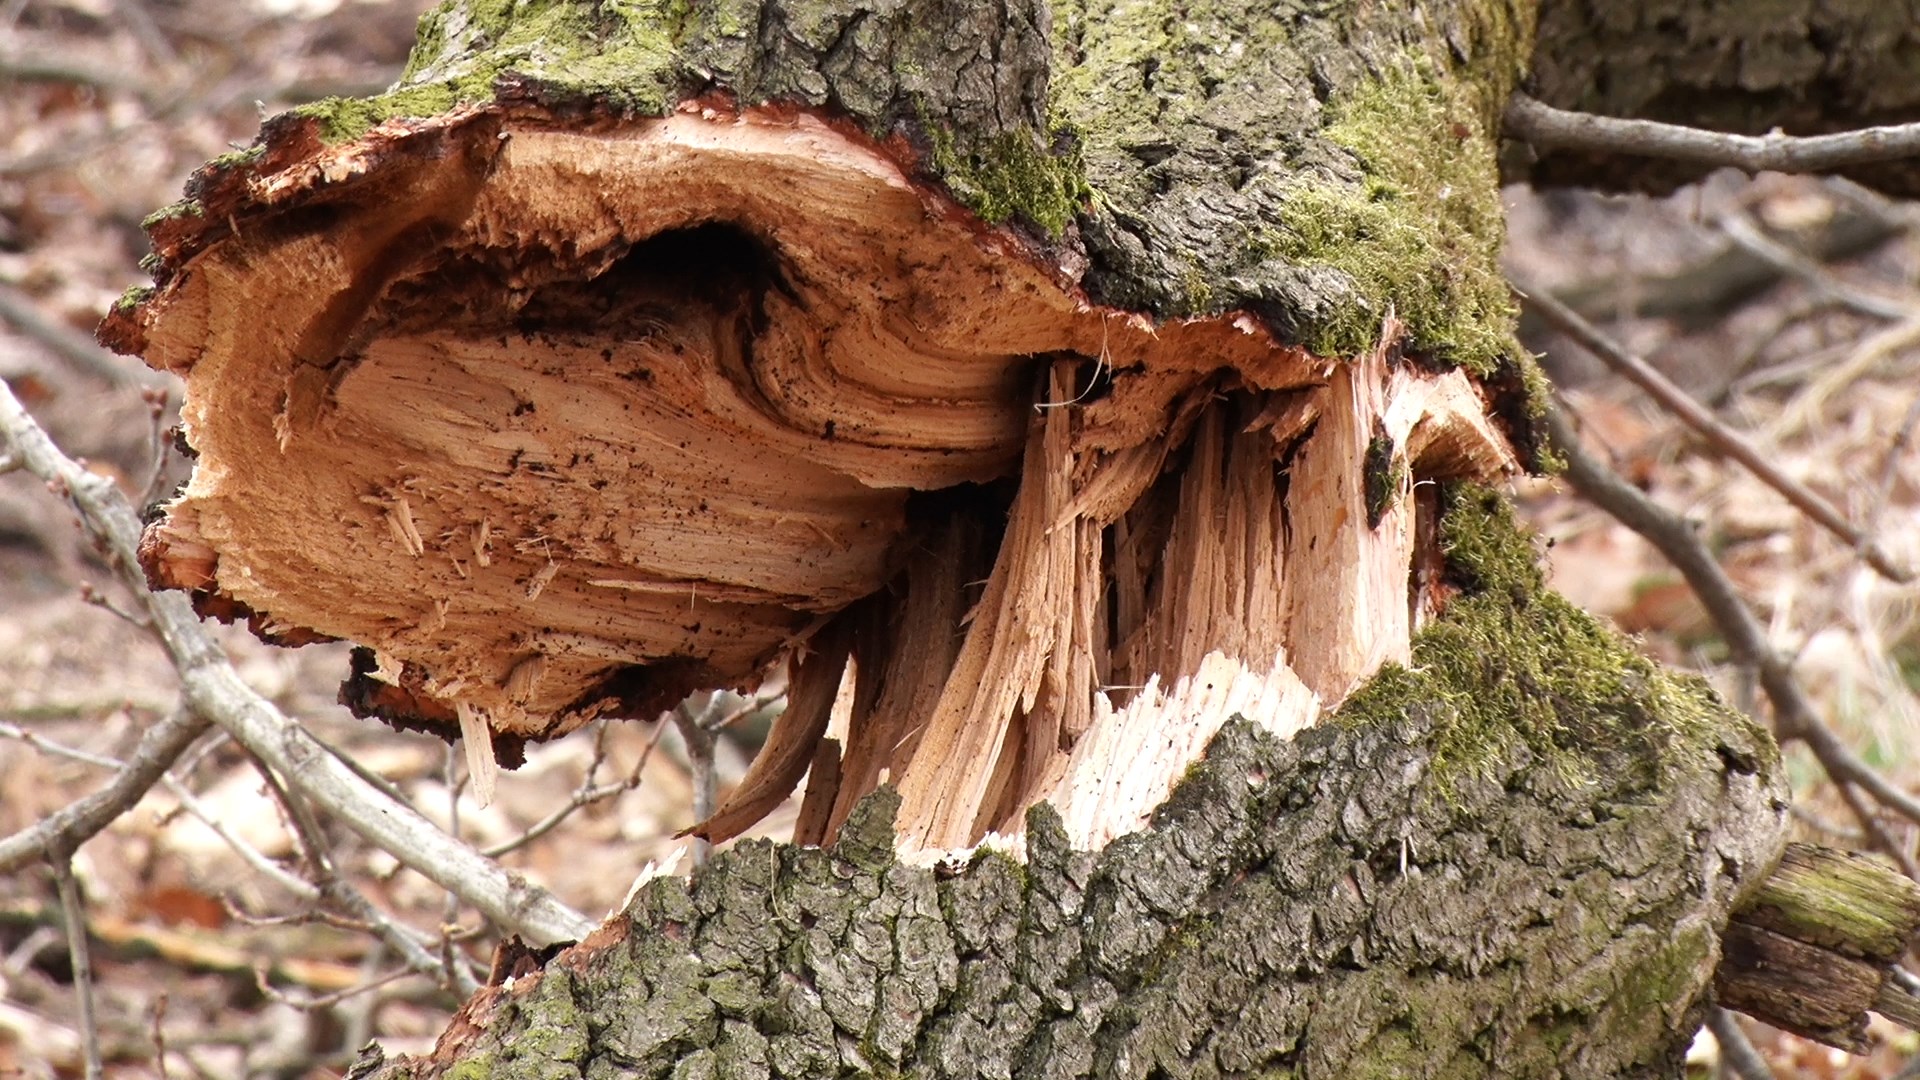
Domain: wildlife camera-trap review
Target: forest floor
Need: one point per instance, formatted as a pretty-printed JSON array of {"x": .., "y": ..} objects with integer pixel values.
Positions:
[{"x": 1791, "y": 306}]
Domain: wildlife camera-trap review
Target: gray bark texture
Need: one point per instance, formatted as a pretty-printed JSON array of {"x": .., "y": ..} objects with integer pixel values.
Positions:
[
  {"x": 1513, "y": 859},
  {"x": 1809, "y": 67}
]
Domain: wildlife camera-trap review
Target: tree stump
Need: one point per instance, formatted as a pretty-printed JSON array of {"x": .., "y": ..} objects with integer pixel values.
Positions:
[{"x": 1045, "y": 390}]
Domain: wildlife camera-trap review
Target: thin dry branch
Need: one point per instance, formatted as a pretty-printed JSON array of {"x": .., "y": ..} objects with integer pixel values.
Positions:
[
  {"x": 1709, "y": 427},
  {"x": 76, "y": 823},
  {"x": 698, "y": 738},
  {"x": 215, "y": 690},
  {"x": 1874, "y": 832},
  {"x": 74, "y": 915},
  {"x": 1740, "y": 228},
  {"x": 1736, "y": 1050},
  {"x": 449, "y": 972},
  {"x": 1543, "y": 126},
  {"x": 585, "y": 795},
  {"x": 1795, "y": 716},
  {"x": 327, "y": 885}
]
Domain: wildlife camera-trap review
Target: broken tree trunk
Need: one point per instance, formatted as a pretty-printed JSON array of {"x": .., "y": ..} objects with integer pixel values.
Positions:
[
  {"x": 1814, "y": 949},
  {"x": 1043, "y": 390}
]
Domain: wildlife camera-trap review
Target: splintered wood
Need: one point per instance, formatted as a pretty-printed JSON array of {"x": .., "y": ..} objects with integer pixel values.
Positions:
[{"x": 561, "y": 420}]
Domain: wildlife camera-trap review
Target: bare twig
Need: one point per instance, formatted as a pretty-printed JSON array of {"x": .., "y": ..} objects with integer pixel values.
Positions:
[
  {"x": 322, "y": 1001},
  {"x": 715, "y": 720},
  {"x": 1696, "y": 416},
  {"x": 10, "y": 730},
  {"x": 1794, "y": 714},
  {"x": 1736, "y": 1051},
  {"x": 336, "y": 890},
  {"x": 101, "y": 600},
  {"x": 585, "y": 795},
  {"x": 74, "y": 824},
  {"x": 379, "y": 783},
  {"x": 76, "y": 920},
  {"x": 297, "y": 886},
  {"x": 698, "y": 738},
  {"x": 159, "y": 1035},
  {"x": 1843, "y": 764},
  {"x": 1876, "y": 833},
  {"x": 213, "y": 688},
  {"x": 1742, "y": 231},
  {"x": 1544, "y": 126},
  {"x": 328, "y": 885}
]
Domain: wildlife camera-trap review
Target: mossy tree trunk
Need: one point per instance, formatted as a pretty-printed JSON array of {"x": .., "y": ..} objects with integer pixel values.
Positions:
[
  {"x": 1045, "y": 390},
  {"x": 1357, "y": 901}
]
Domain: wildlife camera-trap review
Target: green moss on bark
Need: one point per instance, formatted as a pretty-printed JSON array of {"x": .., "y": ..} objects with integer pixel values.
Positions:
[
  {"x": 1420, "y": 234},
  {"x": 620, "y": 53},
  {"x": 1011, "y": 179},
  {"x": 1514, "y": 665},
  {"x": 133, "y": 297},
  {"x": 185, "y": 208}
]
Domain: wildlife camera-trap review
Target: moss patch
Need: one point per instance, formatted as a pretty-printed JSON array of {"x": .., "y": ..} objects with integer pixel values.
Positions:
[
  {"x": 622, "y": 54},
  {"x": 185, "y": 208},
  {"x": 1512, "y": 664},
  {"x": 1010, "y": 177},
  {"x": 1420, "y": 235},
  {"x": 133, "y": 297},
  {"x": 1383, "y": 474},
  {"x": 477, "y": 1067}
]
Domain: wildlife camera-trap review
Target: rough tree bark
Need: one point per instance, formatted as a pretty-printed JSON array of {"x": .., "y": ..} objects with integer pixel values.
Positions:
[{"x": 1046, "y": 389}]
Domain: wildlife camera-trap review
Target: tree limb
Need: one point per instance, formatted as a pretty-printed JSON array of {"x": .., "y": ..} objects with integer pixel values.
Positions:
[
  {"x": 1546, "y": 127},
  {"x": 76, "y": 823}
]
